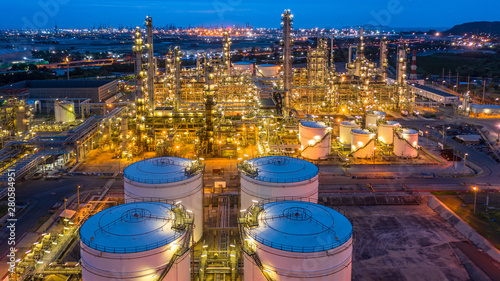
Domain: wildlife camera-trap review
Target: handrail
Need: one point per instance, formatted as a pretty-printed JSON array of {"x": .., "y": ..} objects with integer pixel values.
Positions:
[{"x": 291, "y": 248}]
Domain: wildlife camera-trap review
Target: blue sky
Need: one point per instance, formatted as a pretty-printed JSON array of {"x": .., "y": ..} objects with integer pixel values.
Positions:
[{"x": 259, "y": 13}]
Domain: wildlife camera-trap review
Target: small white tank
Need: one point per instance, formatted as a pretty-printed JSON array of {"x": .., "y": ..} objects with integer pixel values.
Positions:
[
  {"x": 64, "y": 111},
  {"x": 386, "y": 131},
  {"x": 240, "y": 67},
  {"x": 135, "y": 241},
  {"x": 275, "y": 177},
  {"x": 268, "y": 70},
  {"x": 172, "y": 178},
  {"x": 372, "y": 118},
  {"x": 296, "y": 241},
  {"x": 406, "y": 143},
  {"x": 315, "y": 139},
  {"x": 362, "y": 145},
  {"x": 345, "y": 131}
]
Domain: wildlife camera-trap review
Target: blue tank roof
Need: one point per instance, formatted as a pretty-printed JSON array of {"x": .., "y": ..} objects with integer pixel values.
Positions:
[
  {"x": 159, "y": 170},
  {"x": 282, "y": 169},
  {"x": 130, "y": 228},
  {"x": 297, "y": 226},
  {"x": 313, "y": 124}
]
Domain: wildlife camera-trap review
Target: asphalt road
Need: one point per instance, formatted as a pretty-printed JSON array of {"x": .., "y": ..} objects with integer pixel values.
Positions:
[{"x": 42, "y": 195}]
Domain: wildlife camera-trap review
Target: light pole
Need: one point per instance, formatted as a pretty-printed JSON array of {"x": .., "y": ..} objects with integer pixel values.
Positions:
[
  {"x": 374, "y": 149},
  {"x": 498, "y": 133},
  {"x": 465, "y": 159},
  {"x": 475, "y": 197},
  {"x": 427, "y": 141},
  {"x": 78, "y": 199}
]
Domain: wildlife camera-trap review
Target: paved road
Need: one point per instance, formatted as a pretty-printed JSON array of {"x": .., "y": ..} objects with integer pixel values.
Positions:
[
  {"x": 482, "y": 260},
  {"x": 42, "y": 195}
]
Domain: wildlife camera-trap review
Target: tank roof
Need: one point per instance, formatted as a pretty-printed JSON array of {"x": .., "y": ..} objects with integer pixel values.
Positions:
[
  {"x": 348, "y": 123},
  {"x": 390, "y": 123},
  {"x": 130, "y": 228},
  {"x": 268, "y": 65},
  {"x": 377, "y": 113},
  {"x": 297, "y": 226},
  {"x": 313, "y": 124},
  {"x": 159, "y": 170},
  {"x": 410, "y": 131},
  {"x": 361, "y": 131},
  {"x": 282, "y": 169},
  {"x": 242, "y": 63}
]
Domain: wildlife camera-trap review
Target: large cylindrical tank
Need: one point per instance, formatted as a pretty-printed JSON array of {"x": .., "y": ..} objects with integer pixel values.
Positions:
[
  {"x": 268, "y": 70},
  {"x": 297, "y": 241},
  {"x": 372, "y": 118},
  {"x": 315, "y": 139},
  {"x": 172, "y": 178},
  {"x": 361, "y": 143},
  {"x": 275, "y": 177},
  {"x": 345, "y": 131},
  {"x": 406, "y": 143},
  {"x": 386, "y": 131},
  {"x": 64, "y": 111},
  {"x": 240, "y": 67},
  {"x": 135, "y": 241}
]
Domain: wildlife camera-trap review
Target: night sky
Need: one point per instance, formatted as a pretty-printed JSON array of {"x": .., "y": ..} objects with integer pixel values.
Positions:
[{"x": 259, "y": 13}]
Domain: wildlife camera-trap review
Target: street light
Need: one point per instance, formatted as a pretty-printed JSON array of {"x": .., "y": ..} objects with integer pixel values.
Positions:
[
  {"x": 427, "y": 141},
  {"x": 465, "y": 159},
  {"x": 498, "y": 133},
  {"x": 475, "y": 196}
]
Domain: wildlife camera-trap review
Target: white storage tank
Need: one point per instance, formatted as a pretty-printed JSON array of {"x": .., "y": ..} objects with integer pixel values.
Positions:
[
  {"x": 362, "y": 145},
  {"x": 172, "y": 178},
  {"x": 296, "y": 241},
  {"x": 64, "y": 111},
  {"x": 275, "y": 177},
  {"x": 345, "y": 131},
  {"x": 372, "y": 118},
  {"x": 315, "y": 139},
  {"x": 386, "y": 131},
  {"x": 240, "y": 67},
  {"x": 268, "y": 70},
  {"x": 406, "y": 143},
  {"x": 136, "y": 241}
]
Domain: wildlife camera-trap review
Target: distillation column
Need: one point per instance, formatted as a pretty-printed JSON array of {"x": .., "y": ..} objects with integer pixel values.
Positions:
[
  {"x": 287, "y": 58},
  {"x": 401, "y": 73},
  {"x": 226, "y": 53},
  {"x": 383, "y": 60},
  {"x": 150, "y": 62}
]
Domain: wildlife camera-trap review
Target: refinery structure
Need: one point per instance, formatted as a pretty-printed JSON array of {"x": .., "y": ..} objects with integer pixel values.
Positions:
[{"x": 278, "y": 122}]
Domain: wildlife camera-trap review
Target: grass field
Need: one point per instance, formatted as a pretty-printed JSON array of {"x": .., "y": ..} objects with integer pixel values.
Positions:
[{"x": 486, "y": 223}]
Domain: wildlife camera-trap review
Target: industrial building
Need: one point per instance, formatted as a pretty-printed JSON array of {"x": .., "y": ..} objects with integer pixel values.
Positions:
[
  {"x": 47, "y": 91},
  {"x": 433, "y": 94}
]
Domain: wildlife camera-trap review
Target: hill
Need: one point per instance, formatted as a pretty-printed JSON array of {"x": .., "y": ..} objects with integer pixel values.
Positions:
[{"x": 480, "y": 27}]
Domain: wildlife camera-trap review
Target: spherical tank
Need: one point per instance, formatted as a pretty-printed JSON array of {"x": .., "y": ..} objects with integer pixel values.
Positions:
[
  {"x": 406, "y": 143},
  {"x": 386, "y": 131},
  {"x": 172, "y": 178},
  {"x": 296, "y": 241},
  {"x": 135, "y": 241},
  {"x": 361, "y": 143},
  {"x": 345, "y": 131},
  {"x": 276, "y": 177},
  {"x": 315, "y": 139},
  {"x": 373, "y": 117}
]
